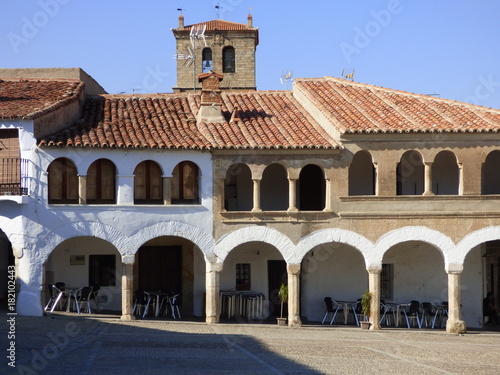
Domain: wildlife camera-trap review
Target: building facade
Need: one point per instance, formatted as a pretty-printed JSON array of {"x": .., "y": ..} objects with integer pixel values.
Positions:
[{"x": 333, "y": 187}]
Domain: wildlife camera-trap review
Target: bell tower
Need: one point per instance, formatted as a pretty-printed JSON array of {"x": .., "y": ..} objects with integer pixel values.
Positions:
[{"x": 224, "y": 47}]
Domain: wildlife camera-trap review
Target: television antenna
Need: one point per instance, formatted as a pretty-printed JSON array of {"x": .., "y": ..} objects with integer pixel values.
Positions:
[
  {"x": 286, "y": 77},
  {"x": 180, "y": 10},
  {"x": 197, "y": 33},
  {"x": 348, "y": 73}
]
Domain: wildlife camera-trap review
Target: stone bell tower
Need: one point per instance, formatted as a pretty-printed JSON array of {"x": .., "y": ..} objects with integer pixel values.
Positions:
[{"x": 223, "y": 47}]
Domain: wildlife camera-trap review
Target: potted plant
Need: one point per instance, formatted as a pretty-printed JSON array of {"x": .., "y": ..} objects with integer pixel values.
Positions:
[
  {"x": 283, "y": 296},
  {"x": 366, "y": 300}
]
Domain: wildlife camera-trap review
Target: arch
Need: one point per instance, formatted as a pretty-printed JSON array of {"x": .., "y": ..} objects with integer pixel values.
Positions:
[
  {"x": 228, "y": 60},
  {"x": 362, "y": 177},
  {"x": 274, "y": 188},
  {"x": 490, "y": 176},
  {"x": 471, "y": 240},
  {"x": 206, "y": 60},
  {"x": 347, "y": 237},
  {"x": 445, "y": 174},
  {"x": 83, "y": 229},
  {"x": 172, "y": 228},
  {"x": 410, "y": 174},
  {"x": 62, "y": 181},
  {"x": 185, "y": 187},
  {"x": 311, "y": 189},
  {"x": 238, "y": 188},
  {"x": 437, "y": 239},
  {"x": 148, "y": 183},
  {"x": 256, "y": 234},
  {"x": 101, "y": 182}
]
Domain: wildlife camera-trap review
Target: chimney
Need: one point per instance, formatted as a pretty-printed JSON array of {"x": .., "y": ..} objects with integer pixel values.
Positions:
[
  {"x": 181, "y": 22},
  {"x": 249, "y": 21},
  {"x": 211, "y": 101}
]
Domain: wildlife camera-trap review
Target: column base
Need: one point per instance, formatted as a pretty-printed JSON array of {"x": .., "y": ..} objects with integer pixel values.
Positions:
[
  {"x": 127, "y": 317},
  {"x": 294, "y": 322},
  {"x": 211, "y": 320},
  {"x": 428, "y": 193},
  {"x": 375, "y": 327},
  {"x": 457, "y": 326}
]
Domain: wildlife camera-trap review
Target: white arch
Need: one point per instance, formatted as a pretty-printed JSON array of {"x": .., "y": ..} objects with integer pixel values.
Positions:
[
  {"x": 83, "y": 229},
  {"x": 171, "y": 228},
  {"x": 437, "y": 239},
  {"x": 324, "y": 236},
  {"x": 258, "y": 234},
  {"x": 475, "y": 238}
]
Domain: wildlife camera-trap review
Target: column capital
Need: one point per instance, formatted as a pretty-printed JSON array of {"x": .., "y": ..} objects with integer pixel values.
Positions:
[
  {"x": 294, "y": 269},
  {"x": 374, "y": 269},
  {"x": 128, "y": 259},
  {"x": 454, "y": 268}
]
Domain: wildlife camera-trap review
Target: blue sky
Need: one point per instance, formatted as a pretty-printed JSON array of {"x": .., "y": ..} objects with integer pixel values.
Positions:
[{"x": 449, "y": 48}]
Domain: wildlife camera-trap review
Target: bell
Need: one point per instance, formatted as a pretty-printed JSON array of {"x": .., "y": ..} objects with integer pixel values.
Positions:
[{"x": 207, "y": 64}]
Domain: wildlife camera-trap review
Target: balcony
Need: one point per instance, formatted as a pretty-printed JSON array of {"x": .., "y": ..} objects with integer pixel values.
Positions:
[{"x": 13, "y": 177}]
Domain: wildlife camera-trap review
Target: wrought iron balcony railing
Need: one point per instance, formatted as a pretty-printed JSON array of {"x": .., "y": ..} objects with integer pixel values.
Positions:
[{"x": 13, "y": 176}]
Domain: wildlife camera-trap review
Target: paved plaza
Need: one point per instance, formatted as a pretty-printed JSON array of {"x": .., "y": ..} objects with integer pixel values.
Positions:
[{"x": 83, "y": 344}]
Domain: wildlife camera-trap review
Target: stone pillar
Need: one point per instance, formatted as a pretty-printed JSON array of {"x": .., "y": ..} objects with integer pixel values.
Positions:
[
  {"x": 374, "y": 289},
  {"x": 167, "y": 191},
  {"x": 375, "y": 178},
  {"x": 428, "y": 178},
  {"x": 256, "y": 196},
  {"x": 212, "y": 287},
  {"x": 82, "y": 189},
  {"x": 328, "y": 195},
  {"x": 294, "y": 295},
  {"x": 460, "y": 179},
  {"x": 127, "y": 287},
  {"x": 292, "y": 195},
  {"x": 125, "y": 190},
  {"x": 454, "y": 324}
]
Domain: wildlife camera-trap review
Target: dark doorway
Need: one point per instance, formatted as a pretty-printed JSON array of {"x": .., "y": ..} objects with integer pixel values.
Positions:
[
  {"x": 160, "y": 268},
  {"x": 276, "y": 274},
  {"x": 311, "y": 189}
]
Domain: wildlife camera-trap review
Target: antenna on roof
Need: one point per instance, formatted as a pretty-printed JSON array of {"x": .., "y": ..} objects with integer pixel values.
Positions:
[
  {"x": 286, "y": 77},
  {"x": 218, "y": 7},
  {"x": 348, "y": 73}
]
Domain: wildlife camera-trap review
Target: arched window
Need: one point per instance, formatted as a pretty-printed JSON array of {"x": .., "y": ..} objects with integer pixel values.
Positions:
[
  {"x": 410, "y": 174},
  {"x": 238, "y": 188},
  {"x": 491, "y": 174},
  {"x": 311, "y": 189},
  {"x": 101, "y": 182},
  {"x": 148, "y": 186},
  {"x": 63, "y": 181},
  {"x": 185, "y": 183},
  {"x": 362, "y": 174},
  {"x": 274, "y": 188},
  {"x": 206, "y": 60},
  {"x": 228, "y": 60},
  {"x": 445, "y": 174}
]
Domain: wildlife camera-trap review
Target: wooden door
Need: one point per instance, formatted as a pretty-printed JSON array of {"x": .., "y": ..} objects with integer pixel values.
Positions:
[
  {"x": 160, "y": 268},
  {"x": 276, "y": 274}
]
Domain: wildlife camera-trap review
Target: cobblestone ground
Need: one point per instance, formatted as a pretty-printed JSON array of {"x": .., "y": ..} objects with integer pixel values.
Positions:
[{"x": 71, "y": 344}]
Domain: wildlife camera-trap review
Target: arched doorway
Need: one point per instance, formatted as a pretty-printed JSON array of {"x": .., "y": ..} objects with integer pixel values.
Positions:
[{"x": 6, "y": 260}]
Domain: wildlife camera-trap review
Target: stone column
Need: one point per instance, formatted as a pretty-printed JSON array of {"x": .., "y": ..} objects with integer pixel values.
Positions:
[
  {"x": 455, "y": 324},
  {"x": 328, "y": 195},
  {"x": 428, "y": 178},
  {"x": 82, "y": 189},
  {"x": 375, "y": 179},
  {"x": 167, "y": 191},
  {"x": 127, "y": 287},
  {"x": 294, "y": 295},
  {"x": 374, "y": 289},
  {"x": 212, "y": 287},
  {"x": 256, "y": 196},
  {"x": 460, "y": 179},
  {"x": 292, "y": 195}
]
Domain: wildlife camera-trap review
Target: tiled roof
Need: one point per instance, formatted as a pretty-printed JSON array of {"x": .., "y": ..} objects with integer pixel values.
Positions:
[
  {"x": 29, "y": 99},
  {"x": 256, "y": 120},
  {"x": 220, "y": 25},
  {"x": 360, "y": 108}
]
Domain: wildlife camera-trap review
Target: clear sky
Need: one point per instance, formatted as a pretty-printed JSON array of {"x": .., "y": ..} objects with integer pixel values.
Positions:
[{"x": 448, "y": 48}]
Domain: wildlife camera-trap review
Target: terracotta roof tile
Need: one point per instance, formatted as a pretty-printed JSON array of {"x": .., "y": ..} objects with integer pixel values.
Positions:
[
  {"x": 220, "y": 25},
  {"x": 360, "y": 108},
  {"x": 29, "y": 99},
  {"x": 266, "y": 120}
]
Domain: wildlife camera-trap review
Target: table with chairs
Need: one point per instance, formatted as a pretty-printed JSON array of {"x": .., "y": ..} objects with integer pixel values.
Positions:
[
  {"x": 63, "y": 297},
  {"x": 414, "y": 313},
  {"x": 146, "y": 301},
  {"x": 247, "y": 304},
  {"x": 334, "y": 307}
]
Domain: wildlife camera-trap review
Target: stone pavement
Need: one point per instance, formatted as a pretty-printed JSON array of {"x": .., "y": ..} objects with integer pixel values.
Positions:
[{"x": 83, "y": 344}]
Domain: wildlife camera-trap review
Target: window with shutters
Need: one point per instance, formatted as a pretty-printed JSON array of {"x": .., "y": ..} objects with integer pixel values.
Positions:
[
  {"x": 148, "y": 186},
  {"x": 185, "y": 183},
  {"x": 63, "y": 182},
  {"x": 101, "y": 182}
]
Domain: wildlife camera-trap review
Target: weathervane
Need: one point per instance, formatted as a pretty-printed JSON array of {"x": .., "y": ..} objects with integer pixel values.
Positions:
[{"x": 218, "y": 7}]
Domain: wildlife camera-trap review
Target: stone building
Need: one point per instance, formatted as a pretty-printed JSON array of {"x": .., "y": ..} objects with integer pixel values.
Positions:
[{"x": 334, "y": 187}]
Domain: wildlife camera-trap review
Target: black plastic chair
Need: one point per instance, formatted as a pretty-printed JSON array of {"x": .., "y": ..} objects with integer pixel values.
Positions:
[
  {"x": 61, "y": 297},
  {"x": 413, "y": 313},
  {"x": 140, "y": 302},
  {"x": 175, "y": 302}
]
